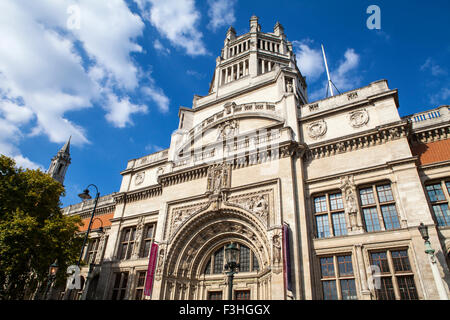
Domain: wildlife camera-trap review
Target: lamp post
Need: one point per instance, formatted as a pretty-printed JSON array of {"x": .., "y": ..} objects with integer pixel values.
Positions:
[
  {"x": 85, "y": 196},
  {"x": 51, "y": 277},
  {"x": 432, "y": 258},
  {"x": 232, "y": 265}
]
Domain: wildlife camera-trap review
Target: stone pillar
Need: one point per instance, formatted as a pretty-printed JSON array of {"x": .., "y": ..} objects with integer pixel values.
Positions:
[{"x": 365, "y": 292}]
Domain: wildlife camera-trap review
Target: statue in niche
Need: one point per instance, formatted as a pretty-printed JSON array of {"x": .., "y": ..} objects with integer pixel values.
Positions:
[{"x": 276, "y": 249}]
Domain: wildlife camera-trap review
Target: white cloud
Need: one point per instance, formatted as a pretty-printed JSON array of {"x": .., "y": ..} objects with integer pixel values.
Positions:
[
  {"x": 177, "y": 21},
  {"x": 119, "y": 110},
  {"x": 158, "y": 96},
  {"x": 435, "y": 69},
  {"x": 48, "y": 69},
  {"x": 159, "y": 47},
  {"x": 344, "y": 77},
  {"x": 309, "y": 60},
  {"x": 441, "y": 97},
  {"x": 153, "y": 148},
  {"x": 221, "y": 13}
]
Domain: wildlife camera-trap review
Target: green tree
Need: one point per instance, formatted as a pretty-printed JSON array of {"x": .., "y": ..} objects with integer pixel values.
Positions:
[{"x": 33, "y": 231}]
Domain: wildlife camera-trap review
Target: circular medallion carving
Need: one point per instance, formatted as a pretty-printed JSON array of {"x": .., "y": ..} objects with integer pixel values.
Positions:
[
  {"x": 358, "y": 118},
  {"x": 317, "y": 129},
  {"x": 139, "y": 178}
]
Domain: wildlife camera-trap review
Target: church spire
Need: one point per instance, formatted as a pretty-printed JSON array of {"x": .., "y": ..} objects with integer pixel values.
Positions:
[{"x": 60, "y": 163}]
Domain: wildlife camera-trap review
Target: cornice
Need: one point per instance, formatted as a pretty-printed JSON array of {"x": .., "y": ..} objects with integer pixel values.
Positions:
[
  {"x": 379, "y": 135},
  {"x": 430, "y": 134},
  {"x": 356, "y": 104},
  {"x": 140, "y": 194},
  {"x": 387, "y": 165}
]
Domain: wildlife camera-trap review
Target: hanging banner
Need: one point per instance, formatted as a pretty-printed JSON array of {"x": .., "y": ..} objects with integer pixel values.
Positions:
[
  {"x": 151, "y": 270},
  {"x": 287, "y": 258}
]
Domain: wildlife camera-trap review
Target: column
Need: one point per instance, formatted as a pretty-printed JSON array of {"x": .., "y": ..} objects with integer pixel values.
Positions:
[
  {"x": 238, "y": 70},
  {"x": 365, "y": 292}
]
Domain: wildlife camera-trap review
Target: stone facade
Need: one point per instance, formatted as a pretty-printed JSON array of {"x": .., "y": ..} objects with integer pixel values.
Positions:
[{"x": 345, "y": 175}]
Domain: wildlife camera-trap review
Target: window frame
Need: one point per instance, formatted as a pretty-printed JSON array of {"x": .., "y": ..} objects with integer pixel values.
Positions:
[
  {"x": 120, "y": 288},
  {"x": 337, "y": 277},
  {"x": 446, "y": 192},
  {"x": 329, "y": 212},
  {"x": 139, "y": 287},
  {"x": 144, "y": 240},
  {"x": 392, "y": 273},
  {"x": 130, "y": 243},
  {"x": 211, "y": 260},
  {"x": 378, "y": 205}
]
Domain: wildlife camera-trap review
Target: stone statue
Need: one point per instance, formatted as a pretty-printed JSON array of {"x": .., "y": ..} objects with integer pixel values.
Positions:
[{"x": 276, "y": 249}]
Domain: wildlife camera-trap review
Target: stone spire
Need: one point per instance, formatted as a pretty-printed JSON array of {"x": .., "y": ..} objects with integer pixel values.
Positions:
[{"x": 60, "y": 163}]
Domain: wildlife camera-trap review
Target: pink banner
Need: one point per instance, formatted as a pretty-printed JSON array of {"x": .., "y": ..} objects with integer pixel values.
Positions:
[{"x": 151, "y": 270}]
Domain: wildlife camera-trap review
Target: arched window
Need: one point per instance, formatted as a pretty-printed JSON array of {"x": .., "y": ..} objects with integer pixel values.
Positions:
[{"x": 247, "y": 258}]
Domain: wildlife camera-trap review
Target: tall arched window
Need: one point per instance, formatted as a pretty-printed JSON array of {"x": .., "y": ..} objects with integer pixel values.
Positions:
[{"x": 247, "y": 258}]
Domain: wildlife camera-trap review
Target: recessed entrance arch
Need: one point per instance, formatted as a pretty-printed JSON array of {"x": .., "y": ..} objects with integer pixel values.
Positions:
[{"x": 201, "y": 236}]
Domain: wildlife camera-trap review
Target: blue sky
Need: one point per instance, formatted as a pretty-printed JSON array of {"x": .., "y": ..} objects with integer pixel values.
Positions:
[{"x": 113, "y": 73}]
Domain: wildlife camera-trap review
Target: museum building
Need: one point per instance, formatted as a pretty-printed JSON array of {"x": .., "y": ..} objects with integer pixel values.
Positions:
[{"x": 323, "y": 199}]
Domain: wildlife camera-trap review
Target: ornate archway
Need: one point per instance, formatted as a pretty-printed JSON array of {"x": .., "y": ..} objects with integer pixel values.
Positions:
[{"x": 182, "y": 274}]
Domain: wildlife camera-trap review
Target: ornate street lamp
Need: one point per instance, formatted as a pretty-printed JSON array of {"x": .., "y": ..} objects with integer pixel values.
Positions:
[
  {"x": 423, "y": 229},
  {"x": 53, "y": 269},
  {"x": 85, "y": 196},
  {"x": 232, "y": 254}
]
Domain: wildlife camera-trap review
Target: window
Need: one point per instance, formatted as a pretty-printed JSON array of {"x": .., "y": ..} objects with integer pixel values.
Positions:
[
  {"x": 140, "y": 283},
  {"x": 378, "y": 208},
  {"x": 396, "y": 276},
  {"x": 120, "y": 285},
  {"x": 247, "y": 260},
  {"x": 337, "y": 278},
  {"x": 92, "y": 250},
  {"x": 329, "y": 210},
  {"x": 148, "y": 236},
  {"x": 127, "y": 243},
  {"x": 439, "y": 196},
  {"x": 215, "y": 295},
  {"x": 242, "y": 295}
]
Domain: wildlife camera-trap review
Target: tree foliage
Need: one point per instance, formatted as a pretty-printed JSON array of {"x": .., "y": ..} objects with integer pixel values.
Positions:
[{"x": 33, "y": 231}]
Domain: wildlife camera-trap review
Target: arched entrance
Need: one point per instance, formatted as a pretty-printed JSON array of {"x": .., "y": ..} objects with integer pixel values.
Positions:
[{"x": 199, "y": 241}]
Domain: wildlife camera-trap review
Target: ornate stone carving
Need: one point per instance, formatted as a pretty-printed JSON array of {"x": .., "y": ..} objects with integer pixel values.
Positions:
[
  {"x": 352, "y": 95},
  {"x": 256, "y": 202},
  {"x": 139, "y": 178},
  {"x": 159, "y": 266},
  {"x": 317, "y": 129},
  {"x": 227, "y": 129},
  {"x": 180, "y": 214},
  {"x": 159, "y": 171},
  {"x": 138, "y": 237},
  {"x": 101, "y": 246},
  {"x": 358, "y": 118},
  {"x": 219, "y": 177},
  {"x": 347, "y": 185}
]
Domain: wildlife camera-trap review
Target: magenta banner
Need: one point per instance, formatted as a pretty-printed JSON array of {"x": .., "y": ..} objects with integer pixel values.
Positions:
[{"x": 151, "y": 270}]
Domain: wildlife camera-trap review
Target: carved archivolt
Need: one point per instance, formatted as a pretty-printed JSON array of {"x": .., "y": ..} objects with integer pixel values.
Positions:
[
  {"x": 358, "y": 118},
  {"x": 317, "y": 129},
  {"x": 188, "y": 247},
  {"x": 180, "y": 214}
]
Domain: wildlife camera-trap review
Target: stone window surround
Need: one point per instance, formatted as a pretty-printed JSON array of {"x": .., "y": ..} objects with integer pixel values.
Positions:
[
  {"x": 334, "y": 190},
  {"x": 442, "y": 181},
  {"x": 337, "y": 277},
  {"x": 362, "y": 261},
  {"x": 392, "y": 272},
  {"x": 378, "y": 204},
  {"x": 329, "y": 212}
]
